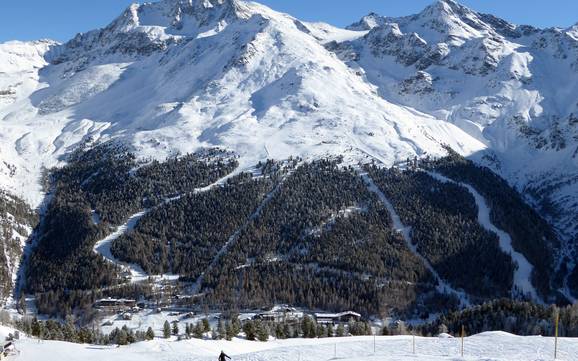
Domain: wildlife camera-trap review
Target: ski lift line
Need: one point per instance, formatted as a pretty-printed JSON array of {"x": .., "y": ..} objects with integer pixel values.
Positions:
[{"x": 235, "y": 236}]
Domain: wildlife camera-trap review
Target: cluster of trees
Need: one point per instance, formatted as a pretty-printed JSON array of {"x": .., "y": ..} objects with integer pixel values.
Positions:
[
  {"x": 521, "y": 318},
  {"x": 183, "y": 236},
  {"x": 323, "y": 240},
  {"x": 15, "y": 217},
  {"x": 257, "y": 330},
  {"x": 61, "y": 331},
  {"x": 69, "y": 332},
  {"x": 531, "y": 234},
  {"x": 307, "y": 328},
  {"x": 445, "y": 228},
  {"x": 98, "y": 189},
  {"x": 61, "y": 303}
]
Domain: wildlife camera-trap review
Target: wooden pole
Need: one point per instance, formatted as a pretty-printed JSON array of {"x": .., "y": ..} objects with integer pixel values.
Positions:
[
  {"x": 556, "y": 336},
  {"x": 463, "y": 333},
  {"x": 413, "y": 342},
  {"x": 374, "y": 341}
]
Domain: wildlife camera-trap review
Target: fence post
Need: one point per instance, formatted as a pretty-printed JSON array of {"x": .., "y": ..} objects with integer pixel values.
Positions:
[
  {"x": 463, "y": 332},
  {"x": 413, "y": 342},
  {"x": 556, "y": 335}
]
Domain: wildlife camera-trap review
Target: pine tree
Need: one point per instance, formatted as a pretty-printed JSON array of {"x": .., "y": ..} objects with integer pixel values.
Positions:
[
  {"x": 279, "y": 331},
  {"x": 221, "y": 332},
  {"x": 175, "y": 329},
  {"x": 262, "y": 331},
  {"x": 340, "y": 330},
  {"x": 330, "y": 330},
  {"x": 122, "y": 337},
  {"x": 150, "y": 334},
  {"x": 206, "y": 325},
  {"x": 249, "y": 329},
  {"x": 229, "y": 331},
  {"x": 167, "y": 329},
  {"x": 198, "y": 330}
]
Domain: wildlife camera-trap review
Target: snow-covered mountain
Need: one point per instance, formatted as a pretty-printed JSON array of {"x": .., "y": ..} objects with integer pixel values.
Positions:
[
  {"x": 178, "y": 75},
  {"x": 511, "y": 87}
]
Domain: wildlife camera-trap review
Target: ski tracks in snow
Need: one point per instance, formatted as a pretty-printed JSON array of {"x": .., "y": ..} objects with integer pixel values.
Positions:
[
  {"x": 523, "y": 273},
  {"x": 443, "y": 286}
]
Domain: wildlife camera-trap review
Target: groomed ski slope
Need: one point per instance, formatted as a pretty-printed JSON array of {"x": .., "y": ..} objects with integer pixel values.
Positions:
[
  {"x": 443, "y": 286},
  {"x": 103, "y": 247},
  {"x": 523, "y": 272},
  {"x": 495, "y": 346}
]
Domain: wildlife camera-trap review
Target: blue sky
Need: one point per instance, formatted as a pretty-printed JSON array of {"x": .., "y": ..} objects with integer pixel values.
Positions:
[{"x": 62, "y": 19}]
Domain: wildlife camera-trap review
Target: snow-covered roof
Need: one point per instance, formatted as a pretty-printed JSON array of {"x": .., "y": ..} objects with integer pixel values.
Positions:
[{"x": 337, "y": 315}]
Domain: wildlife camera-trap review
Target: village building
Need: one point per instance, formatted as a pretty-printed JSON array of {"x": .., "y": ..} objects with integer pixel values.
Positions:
[
  {"x": 115, "y": 305},
  {"x": 337, "y": 318},
  {"x": 280, "y": 314}
]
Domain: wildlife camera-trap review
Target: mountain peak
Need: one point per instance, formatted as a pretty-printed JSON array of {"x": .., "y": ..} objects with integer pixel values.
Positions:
[
  {"x": 367, "y": 22},
  {"x": 176, "y": 15},
  {"x": 146, "y": 28}
]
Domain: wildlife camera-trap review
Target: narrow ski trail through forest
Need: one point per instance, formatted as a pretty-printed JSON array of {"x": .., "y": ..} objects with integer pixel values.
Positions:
[{"x": 443, "y": 286}]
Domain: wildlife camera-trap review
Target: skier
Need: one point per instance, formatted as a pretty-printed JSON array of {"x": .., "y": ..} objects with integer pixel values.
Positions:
[{"x": 223, "y": 357}]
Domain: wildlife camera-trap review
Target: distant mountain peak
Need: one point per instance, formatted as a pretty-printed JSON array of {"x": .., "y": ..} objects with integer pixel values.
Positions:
[{"x": 143, "y": 29}]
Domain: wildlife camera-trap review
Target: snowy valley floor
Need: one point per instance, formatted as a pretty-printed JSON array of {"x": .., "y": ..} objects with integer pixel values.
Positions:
[{"x": 486, "y": 347}]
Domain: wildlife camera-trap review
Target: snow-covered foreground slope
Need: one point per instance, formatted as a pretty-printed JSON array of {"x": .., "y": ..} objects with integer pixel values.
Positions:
[{"x": 487, "y": 346}]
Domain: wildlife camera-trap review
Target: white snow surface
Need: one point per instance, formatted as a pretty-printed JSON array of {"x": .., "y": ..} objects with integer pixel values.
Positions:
[
  {"x": 495, "y": 346},
  {"x": 523, "y": 272}
]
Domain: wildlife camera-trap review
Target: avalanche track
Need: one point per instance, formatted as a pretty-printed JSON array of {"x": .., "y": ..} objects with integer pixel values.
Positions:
[
  {"x": 234, "y": 237},
  {"x": 103, "y": 247}
]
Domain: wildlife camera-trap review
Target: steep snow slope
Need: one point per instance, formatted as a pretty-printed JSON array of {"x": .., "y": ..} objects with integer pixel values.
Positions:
[
  {"x": 177, "y": 75},
  {"x": 20, "y": 64}
]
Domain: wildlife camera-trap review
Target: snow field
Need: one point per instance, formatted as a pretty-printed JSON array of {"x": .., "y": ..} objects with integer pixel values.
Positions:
[{"x": 494, "y": 346}]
